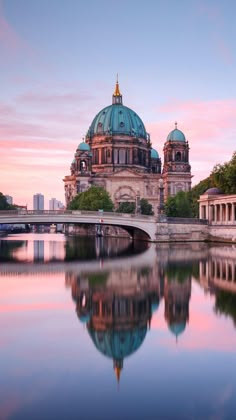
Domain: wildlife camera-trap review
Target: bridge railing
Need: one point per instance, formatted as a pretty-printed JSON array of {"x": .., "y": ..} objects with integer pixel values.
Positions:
[
  {"x": 98, "y": 213},
  {"x": 187, "y": 220}
]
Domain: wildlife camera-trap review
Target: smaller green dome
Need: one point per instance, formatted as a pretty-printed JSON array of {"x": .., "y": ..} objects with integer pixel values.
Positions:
[
  {"x": 176, "y": 135},
  {"x": 84, "y": 318},
  {"x": 177, "y": 328},
  {"x": 154, "y": 154},
  {"x": 84, "y": 147},
  {"x": 154, "y": 307}
]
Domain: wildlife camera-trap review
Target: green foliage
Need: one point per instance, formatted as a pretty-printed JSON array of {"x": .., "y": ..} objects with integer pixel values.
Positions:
[
  {"x": 146, "y": 207},
  {"x": 195, "y": 193},
  {"x": 126, "y": 207},
  {"x": 225, "y": 303},
  {"x": 97, "y": 279},
  {"x": 3, "y": 203},
  {"x": 182, "y": 272},
  {"x": 178, "y": 205},
  {"x": 8, "y": 250},
  {"x": 224, "y": 176},
  {"x": 93, "y": 199}
]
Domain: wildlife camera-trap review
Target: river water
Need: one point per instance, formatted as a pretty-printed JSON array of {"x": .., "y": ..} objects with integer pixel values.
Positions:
[{"x": 96, "y": 328}]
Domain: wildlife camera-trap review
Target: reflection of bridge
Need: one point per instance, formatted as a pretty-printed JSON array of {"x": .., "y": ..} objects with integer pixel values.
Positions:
[
  {"x": 135, "y": 224},
  {"x": 30, "y": 268}
]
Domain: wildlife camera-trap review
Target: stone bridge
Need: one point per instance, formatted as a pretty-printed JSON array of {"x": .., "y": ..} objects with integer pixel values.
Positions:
[{"x": 139, "y": 226}]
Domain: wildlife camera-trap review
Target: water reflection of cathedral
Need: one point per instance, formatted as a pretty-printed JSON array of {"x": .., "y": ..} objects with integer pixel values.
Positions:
[
  {"x": 117, "y": 307},
  {"x": 219, "y": 269},
  {"x": 177, "y": 296}
]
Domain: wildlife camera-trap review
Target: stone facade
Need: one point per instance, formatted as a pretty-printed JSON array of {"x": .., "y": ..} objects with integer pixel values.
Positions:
[
  {"x": 220, "y": 212},
  {"x": 218, "y": 209},
  {"x": 117, "y": 155}
]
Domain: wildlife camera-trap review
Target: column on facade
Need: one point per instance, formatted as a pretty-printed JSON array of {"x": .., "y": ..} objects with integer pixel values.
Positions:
[
  {"x": 233, "y": 212},
  {"x": 202, "y": 211},
  {"x": 221, "y": 213},
  {"x": 227, "y": 212},
  {"x": 211, "y": 213},
  {"x": 207, "y": 211},
  {"x": 216, "y": 212}
]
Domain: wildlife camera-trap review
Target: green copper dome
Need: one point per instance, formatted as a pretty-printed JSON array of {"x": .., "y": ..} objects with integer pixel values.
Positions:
[
  {"x": 118, "y": 344},
  {"x": 154, "y": 154},
  {"x": 84, "y": 147},
  {"x": 177, "y": 328},
  {"x": 176, "y": 135},
  {"x": 117, "y": 119}
]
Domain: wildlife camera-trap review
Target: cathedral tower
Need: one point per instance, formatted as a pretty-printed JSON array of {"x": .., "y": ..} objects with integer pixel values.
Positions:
[{"x": 176, "y": 170}]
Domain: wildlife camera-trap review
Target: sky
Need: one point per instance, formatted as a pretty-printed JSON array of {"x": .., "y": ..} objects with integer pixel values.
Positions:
[{"x": 176, "y": 61}]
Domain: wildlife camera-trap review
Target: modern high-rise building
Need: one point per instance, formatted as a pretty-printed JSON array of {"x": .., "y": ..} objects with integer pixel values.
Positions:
[
  {"x": 38, "y": 202},
  {"x": 55, "y": 204}
]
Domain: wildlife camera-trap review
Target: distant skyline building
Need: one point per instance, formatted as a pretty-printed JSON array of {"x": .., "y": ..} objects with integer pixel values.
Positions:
[
  {"x": 38, "y": 202},
  {"x": 9, "y": 199},
  {"x": 55, "y": 204}
]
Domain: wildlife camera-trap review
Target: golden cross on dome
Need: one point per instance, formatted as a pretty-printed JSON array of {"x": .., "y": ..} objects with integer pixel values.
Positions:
[{"x": 117, "y": 89}]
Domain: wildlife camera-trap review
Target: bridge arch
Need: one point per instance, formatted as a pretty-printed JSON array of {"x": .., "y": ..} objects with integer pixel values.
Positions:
[{"x": 139, "y": 226}]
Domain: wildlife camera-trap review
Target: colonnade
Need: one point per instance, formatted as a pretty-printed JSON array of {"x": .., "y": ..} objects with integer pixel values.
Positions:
[
  {"x": 219, "y": 212},
  {"x": 218, "y": 270}
]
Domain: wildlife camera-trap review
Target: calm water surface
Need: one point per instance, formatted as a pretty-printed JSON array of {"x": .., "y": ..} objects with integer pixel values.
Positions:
[{"x": 93, "y": 328}]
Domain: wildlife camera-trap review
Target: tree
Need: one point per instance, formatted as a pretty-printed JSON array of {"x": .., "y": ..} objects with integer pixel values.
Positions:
[
  {"x": 4, "y": 205},
  {"x": 195, "y": 193},
  {"x": 95, "y": 198},
  {"x": 224, "y": 176},
  {"x": 178, "y": 205},
  {"x": 126, "y": 207},
  {"x": 145, "y": 207}
]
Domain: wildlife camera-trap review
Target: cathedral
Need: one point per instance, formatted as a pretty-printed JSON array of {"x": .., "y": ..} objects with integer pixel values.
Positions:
[{"x": 117, "y": 155}]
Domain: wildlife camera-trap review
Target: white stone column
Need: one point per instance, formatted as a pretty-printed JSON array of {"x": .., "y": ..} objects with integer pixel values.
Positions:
[
  {"x": 221, "y": 213},
  {"x": 202, "y": 212},
  {"x": 207, "y": 211},
  {"x": 232, "y": 213},
  {"x": 211, "y": 213},
  {"x": 215, "y": 213},
  {"x": 226, "y": 212}
]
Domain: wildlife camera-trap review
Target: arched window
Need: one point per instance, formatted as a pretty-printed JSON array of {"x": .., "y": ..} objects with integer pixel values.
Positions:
[
  {"x": 96, "y": 156},
  {"x": 128, "y": 156},
  {"x": 103, "y": 155},
  {"x": 178, "y": 156},
  {"x": 122, "y": 156},
  {"x": 115, "y": 156},
  {"x": 83, "y": 166}
]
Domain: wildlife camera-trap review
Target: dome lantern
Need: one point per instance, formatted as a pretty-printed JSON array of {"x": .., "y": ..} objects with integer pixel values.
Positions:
[{"x": 117, "y": 97}]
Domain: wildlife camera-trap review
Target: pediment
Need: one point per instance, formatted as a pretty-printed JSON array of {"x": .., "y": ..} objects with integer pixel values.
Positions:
[{"x": 126, "y": 173}]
